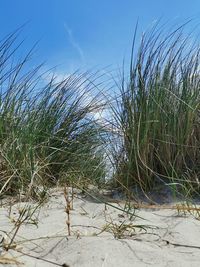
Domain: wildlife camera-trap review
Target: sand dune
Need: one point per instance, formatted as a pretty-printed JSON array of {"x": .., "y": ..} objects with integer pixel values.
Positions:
[{"x": 97, "y": 239}]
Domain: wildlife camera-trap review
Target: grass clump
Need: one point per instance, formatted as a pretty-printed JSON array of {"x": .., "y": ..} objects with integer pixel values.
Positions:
[
  {"x": 47, "y": 127},
  {"x": 48, "y": 133},
  {"x": 157, "y": 115}
]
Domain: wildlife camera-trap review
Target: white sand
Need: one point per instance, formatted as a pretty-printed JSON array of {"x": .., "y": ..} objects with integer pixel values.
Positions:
[{"x": 87, "y": 246}]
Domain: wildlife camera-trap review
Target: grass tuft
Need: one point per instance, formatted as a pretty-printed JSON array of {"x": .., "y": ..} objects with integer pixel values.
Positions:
[
  {"x": 157, "y": 116},
  {"x": 48, "y": 133}
]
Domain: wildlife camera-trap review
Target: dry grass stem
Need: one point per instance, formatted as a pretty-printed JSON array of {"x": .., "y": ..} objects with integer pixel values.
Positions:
[{"x": 68, "y": 207}]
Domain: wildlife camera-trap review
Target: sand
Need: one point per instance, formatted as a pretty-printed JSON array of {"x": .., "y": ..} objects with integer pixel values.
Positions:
[{"x": 168, "y": 238}]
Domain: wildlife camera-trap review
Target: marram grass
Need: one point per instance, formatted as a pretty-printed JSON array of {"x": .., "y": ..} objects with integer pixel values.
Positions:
[
  {"x": 158, "y": 114},
  {"x": 47, "y": 130}
]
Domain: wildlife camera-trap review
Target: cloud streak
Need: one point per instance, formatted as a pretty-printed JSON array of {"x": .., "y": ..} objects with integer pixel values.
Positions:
[{"x": 74, "y": 43}]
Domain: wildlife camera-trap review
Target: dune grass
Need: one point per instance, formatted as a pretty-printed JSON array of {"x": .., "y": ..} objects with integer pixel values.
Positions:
[
  {"x": 47, "y": 128},
  {"x": 49, "y": 135},
  {"x": 157, "y": 115}
]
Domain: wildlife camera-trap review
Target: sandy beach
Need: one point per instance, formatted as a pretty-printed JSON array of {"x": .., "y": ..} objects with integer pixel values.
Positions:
[{"x": 100, "y": 235}]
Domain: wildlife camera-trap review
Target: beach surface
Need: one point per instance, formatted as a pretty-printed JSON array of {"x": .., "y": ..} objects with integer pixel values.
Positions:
[{"x": 100, "y": 235}]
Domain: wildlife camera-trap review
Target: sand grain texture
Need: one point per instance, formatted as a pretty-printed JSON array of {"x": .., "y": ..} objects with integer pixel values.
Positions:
[{"x": 171, "y": 240}]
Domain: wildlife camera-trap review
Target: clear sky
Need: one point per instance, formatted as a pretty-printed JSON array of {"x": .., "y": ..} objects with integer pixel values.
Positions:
[{"x": 80, "y": 34}]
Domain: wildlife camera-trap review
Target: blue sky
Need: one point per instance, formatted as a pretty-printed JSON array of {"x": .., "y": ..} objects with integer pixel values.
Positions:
[{"x": 82, "y": 34}]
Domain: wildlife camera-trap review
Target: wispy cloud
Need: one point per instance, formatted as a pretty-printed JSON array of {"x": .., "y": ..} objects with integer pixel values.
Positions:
[{"x": 73, "y": 42}]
